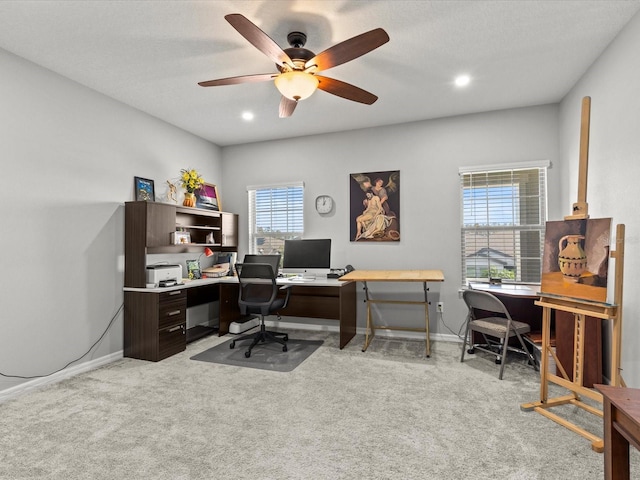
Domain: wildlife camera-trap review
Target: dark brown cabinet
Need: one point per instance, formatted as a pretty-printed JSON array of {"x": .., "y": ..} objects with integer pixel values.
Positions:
[
  {"x": 155, "y": 321},
  {"x": 154, "y": 324},
  {"x": 149, "y": 227},
  {"x": 229, "y": 236}
]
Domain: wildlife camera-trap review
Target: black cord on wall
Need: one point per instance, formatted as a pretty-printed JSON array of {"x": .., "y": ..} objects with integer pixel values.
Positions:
[
  {"x": 113, "y": 319},
  {"x": 459, "y": 334}
]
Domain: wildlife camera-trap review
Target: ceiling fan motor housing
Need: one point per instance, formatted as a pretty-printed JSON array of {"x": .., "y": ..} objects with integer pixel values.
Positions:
[
  {"x": 296, "y": 53},
  {"x": 297, "y": 39}
]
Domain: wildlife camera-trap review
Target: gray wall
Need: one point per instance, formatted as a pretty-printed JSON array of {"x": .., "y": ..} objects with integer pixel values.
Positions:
[
  {"x": 69, "y": 156},
  {"x": 428, "y": 155},
  {"x": 614, "y": 166}
]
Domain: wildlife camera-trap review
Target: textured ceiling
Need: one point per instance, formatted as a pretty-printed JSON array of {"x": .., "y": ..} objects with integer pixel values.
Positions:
[{"x": 151, "y": 54}]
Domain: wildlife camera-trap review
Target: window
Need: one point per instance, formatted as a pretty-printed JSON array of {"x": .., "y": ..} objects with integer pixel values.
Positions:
[
  {"x": 276, "y": 214},
  {"x": 504, "y": 211}
]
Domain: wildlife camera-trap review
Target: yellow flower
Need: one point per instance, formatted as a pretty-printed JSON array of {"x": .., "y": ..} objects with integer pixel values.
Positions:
[{"x": 190, "y": 179}]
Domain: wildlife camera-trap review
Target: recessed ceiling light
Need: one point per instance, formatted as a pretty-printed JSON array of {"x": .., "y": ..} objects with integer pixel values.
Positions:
[
  {"x": 248, "y": 116},
  {"x": 462, "y": 80}
]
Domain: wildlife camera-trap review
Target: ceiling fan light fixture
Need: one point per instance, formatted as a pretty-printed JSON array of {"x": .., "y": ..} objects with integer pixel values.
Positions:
[{"x": 296, "y": 85}]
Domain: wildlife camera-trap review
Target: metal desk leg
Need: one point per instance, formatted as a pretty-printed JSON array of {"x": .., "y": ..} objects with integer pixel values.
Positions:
[
  {"x": 370, "y": 330},
  {"x": 426, "y": 317}
]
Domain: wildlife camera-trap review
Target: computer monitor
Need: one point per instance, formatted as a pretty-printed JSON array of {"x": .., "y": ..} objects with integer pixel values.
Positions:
[
  {"x": 308, "y": 257},
  {"x": 273, "y": 260}
]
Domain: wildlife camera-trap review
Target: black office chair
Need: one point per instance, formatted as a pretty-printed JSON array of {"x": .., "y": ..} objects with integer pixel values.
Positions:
[
  {"x": 496, "y": 329},
  {"x": 259, "y": 294}
]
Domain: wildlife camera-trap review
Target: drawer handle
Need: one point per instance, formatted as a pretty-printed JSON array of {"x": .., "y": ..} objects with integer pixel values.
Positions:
[
  {"x": 175, "y": 312},
  {"x": 175, "y": 292},
  {"x": 171, "y": 330}
]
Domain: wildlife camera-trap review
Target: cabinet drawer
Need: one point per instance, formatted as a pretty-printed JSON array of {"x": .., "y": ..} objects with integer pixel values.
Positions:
[
  {"x": 172, "y": 340},
  {"x": 172, "y": 308},
  {"x": 173, "y": 296},
  {"x": 171, "y": 314}
]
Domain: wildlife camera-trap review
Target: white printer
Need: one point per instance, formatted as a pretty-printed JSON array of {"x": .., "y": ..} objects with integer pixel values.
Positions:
[{"x": 164, "y": 275}]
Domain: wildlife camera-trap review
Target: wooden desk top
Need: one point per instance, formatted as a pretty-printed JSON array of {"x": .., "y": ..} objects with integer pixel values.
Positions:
[
  {"x": 624, "y": 399},
  {"x": 186, "y": 283},
  {"x": 394, "y": 276}
]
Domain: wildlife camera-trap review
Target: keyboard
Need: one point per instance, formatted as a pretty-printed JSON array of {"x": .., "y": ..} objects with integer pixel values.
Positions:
[{"x": 300, "y": 280}]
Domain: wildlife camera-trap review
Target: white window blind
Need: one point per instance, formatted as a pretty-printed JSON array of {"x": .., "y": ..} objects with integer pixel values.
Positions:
[
  {"x": 276, "y": 213},
  {"x": 504, "y": 212}
]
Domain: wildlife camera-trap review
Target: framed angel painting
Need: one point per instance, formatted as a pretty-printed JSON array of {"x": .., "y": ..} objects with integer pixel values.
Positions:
[{"x": 374, "y": 206}]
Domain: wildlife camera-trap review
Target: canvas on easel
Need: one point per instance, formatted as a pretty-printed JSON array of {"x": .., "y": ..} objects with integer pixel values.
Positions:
[
  {"x": 576, "y": 258},
  {"x": 574, "y": 280}
]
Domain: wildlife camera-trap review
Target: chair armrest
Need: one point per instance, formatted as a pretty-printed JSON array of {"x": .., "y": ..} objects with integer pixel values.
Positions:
[{"x": 288, "y": 289}]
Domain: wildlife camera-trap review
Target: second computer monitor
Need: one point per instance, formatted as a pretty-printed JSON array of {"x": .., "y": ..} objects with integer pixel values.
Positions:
[{"x": 273, "y": 260}]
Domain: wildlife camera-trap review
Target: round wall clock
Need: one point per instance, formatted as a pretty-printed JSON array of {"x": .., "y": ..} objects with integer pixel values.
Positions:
[{"x": 324, "y": 204}]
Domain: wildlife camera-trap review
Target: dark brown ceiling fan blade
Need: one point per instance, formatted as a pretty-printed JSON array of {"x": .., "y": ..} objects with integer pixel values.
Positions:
[
  {"x": 260, "y": 77},
  {"x": 349, "y": 49},
  {"x": 345, "y": 90},
  {"x": 287, "y": 106},
  {"x": 258, "y": 39}
]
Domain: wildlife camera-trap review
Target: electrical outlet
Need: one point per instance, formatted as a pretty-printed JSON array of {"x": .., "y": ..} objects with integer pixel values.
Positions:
[{"x": 440, "y": 307}]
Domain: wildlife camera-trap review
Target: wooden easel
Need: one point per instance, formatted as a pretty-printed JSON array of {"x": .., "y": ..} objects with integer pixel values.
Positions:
[{"x": 580, "y": 309}]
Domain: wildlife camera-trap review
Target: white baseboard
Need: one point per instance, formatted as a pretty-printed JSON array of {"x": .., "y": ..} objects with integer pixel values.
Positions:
[
  {"x": 302, "y": 326},
  {"x": 441, "y": 337},
  {"x": 25, "y": 387}
]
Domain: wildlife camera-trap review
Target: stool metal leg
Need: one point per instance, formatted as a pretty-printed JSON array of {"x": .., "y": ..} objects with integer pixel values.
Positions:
[{"x": 370, "y": 330}]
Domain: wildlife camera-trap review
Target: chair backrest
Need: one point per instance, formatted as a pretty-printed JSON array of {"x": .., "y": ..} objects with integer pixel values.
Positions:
[
  {"x": 258, "y": 288},
  {"x": 477, "y": 299}
]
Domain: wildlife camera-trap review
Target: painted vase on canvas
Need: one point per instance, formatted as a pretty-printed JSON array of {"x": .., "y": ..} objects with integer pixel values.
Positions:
[{"x": 572, "y": 260}]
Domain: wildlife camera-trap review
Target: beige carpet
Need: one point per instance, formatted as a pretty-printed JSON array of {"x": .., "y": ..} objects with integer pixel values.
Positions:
[{"x": 388, "y": 413}]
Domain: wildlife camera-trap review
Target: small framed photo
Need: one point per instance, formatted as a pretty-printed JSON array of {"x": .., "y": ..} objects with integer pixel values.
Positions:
[
  {"x": 144, "y": 190},
  {"x": 207, "y": 197},
  {"x": 193, "y": 270},
  {"x": 180, "y": 238}
]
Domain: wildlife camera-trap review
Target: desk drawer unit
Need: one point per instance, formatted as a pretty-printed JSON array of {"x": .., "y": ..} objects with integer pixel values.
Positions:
[{"x": 154, "y": 324}]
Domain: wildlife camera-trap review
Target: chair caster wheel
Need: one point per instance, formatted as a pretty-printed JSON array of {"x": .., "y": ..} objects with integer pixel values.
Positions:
[
  {"x": 284, "y": 348},
  {"x": 471, "y": 351},
  {"x": 498, "y": 361},
  {"x": 232, "y": 345},
  {"x": 247, "y": 353}
]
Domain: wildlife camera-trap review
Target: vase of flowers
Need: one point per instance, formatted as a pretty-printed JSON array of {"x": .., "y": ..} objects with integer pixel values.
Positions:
[{"x": 191, "y": 181}]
